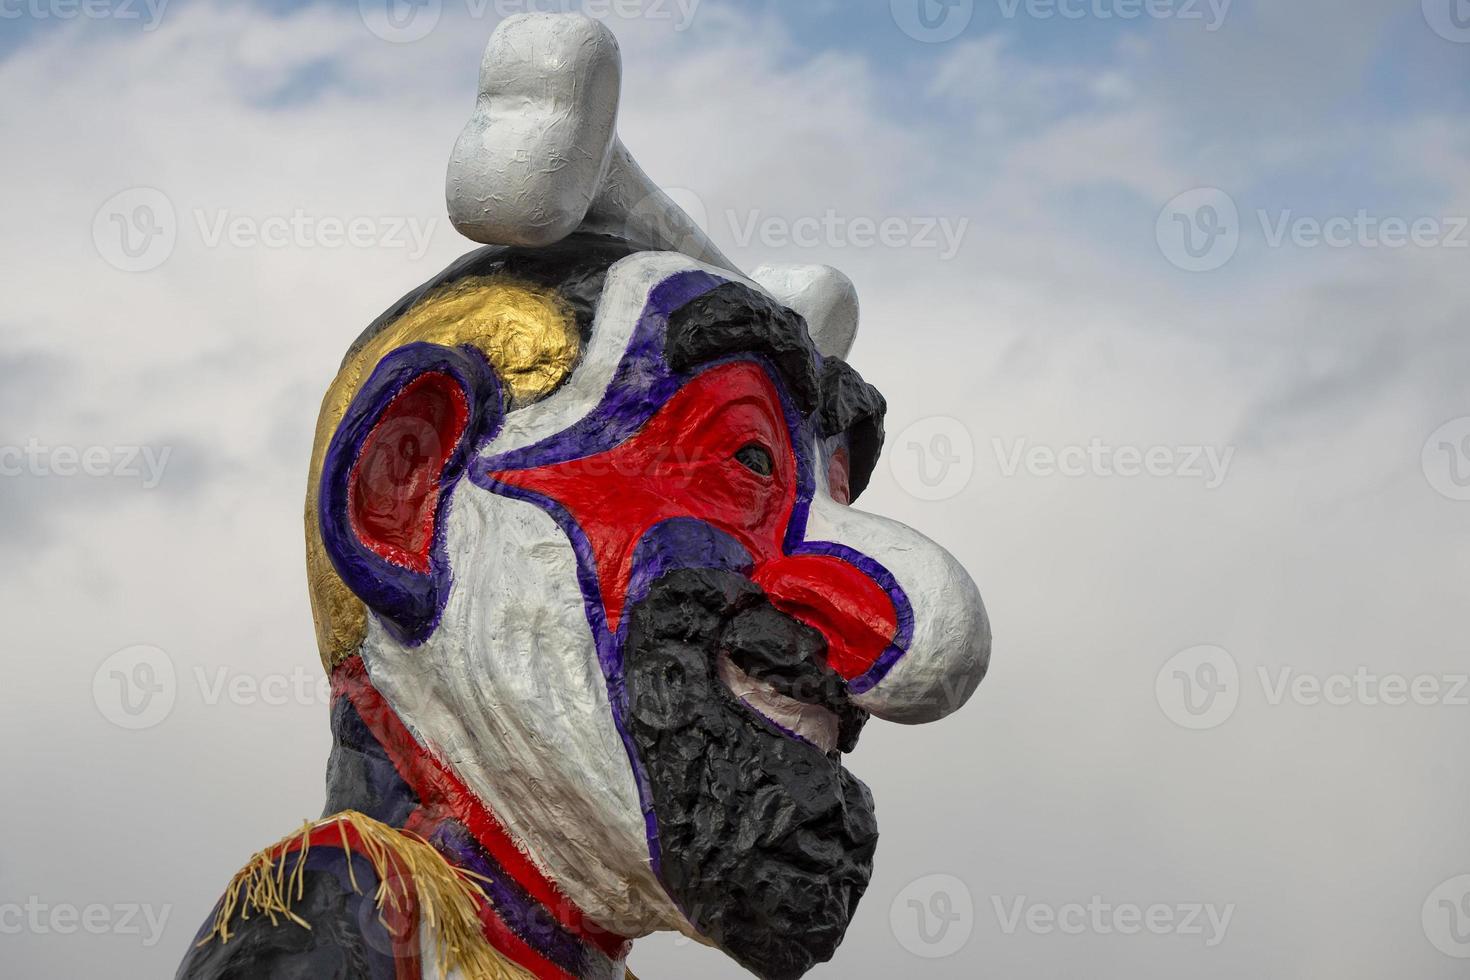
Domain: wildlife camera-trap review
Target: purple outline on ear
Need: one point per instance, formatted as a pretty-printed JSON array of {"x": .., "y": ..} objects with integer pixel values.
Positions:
[{"x": 407, "y": 602}]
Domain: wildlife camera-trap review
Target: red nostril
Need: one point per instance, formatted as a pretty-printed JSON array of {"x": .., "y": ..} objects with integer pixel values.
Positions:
[{"x": 853, "y": 612}]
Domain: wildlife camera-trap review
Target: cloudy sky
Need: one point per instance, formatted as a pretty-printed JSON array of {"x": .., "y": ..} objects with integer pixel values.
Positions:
[{"x": 1167, "y": 298}]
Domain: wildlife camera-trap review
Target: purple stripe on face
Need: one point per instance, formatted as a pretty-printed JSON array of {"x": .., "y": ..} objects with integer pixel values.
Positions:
[
  {"x": 682, "y": 542},
  {"x": 901, "y": 607},
  {"x": 641, "y": 384},
  {"x": 796, "y": 544},
  {"x": 407, "y": 601}
]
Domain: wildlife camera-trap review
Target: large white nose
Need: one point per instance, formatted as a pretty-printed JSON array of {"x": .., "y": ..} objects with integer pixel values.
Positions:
[{"x": 948, "y": 648}]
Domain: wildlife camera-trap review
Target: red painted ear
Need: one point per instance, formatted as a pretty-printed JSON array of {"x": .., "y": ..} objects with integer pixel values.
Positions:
[
  {"x": 393, "y": 488},
  {"x": 400, "y": 448}
]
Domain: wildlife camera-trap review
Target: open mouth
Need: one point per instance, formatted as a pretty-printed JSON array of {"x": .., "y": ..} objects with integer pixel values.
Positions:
[
  {"x": 809, "y": 722},
  {"x": 776, "y": 667},
  {"x": 773, "y": 667}
]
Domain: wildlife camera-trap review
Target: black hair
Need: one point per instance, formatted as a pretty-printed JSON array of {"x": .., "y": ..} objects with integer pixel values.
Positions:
[{"x": 733, "y": 318}]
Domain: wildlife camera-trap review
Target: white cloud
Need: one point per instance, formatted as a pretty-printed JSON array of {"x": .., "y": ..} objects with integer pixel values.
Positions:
[{"x": 1059, "y": 322}]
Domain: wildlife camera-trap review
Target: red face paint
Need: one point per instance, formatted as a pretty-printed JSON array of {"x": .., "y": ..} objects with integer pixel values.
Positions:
[
  {"x": 839, "y": 485},
  {"x": 701, "y": 457},
  {"x": 394, "y": 489}
]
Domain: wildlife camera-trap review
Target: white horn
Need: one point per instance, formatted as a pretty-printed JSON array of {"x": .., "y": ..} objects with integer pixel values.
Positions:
[
  {"x": 540, "y": 157},
  {"x": 825, "y": 298}
]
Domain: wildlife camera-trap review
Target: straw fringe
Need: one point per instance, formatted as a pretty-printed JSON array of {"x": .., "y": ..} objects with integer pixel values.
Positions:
[{"x": 448, "y": 896}]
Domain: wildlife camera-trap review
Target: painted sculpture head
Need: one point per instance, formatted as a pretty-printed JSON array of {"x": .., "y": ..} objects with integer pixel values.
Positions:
[{"x": 580, "y": 514}]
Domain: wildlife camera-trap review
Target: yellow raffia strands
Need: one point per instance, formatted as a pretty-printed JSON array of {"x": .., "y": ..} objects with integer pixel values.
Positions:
[
  {"x": 447, "y": 895},
  {"x": 528, "y": 334}
]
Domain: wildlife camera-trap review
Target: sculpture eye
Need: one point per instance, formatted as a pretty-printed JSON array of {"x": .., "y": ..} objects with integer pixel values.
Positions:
[{"x": 756, "y": 458}]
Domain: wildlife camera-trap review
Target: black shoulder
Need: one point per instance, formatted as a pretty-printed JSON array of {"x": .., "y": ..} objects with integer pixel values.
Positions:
[{"x": 332, "y": 930}]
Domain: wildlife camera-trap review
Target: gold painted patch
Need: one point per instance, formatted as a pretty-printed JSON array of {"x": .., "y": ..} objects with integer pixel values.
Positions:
[{"x": 528, "y": 334}]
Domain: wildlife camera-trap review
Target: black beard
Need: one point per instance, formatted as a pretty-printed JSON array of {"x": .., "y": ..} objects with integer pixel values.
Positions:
[{"x": 766, "y": 842}]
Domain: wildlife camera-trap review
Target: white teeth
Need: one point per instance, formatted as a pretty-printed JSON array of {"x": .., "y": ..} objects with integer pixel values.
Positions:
[{"x": 812, "y": 722}]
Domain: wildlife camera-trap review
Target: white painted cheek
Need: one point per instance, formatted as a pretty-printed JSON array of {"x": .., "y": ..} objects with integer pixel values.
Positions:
[
  {"x": 508, "y": 692},
  {"x": 950, "y": 648}
]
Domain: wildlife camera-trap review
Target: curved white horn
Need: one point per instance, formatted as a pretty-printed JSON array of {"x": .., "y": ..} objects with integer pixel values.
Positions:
[
  {"x": 540, "y": 158},
  {"x": 825, "y": 298}
]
